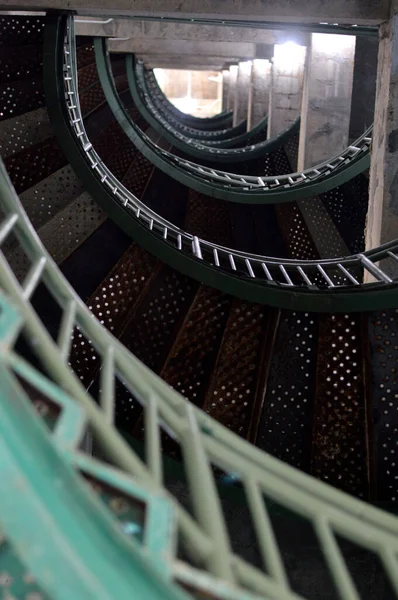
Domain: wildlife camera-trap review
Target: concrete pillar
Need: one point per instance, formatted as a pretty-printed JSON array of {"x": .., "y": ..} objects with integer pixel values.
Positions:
[
  {"x": 382, "y": 220},
  {"x": 225, "y": 89},
  {"x": 326, "y": 109},
  {"x": 242, "y": 91},
  {"x": 364, "y": 85},
  {"x": 233, "y": 75},
  {"x": 258, "y": 92},
  {"x": 287, "y": 78}
]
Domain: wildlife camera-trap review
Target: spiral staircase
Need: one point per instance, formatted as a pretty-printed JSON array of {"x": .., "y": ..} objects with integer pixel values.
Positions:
[{"x": 198, "y": 399}]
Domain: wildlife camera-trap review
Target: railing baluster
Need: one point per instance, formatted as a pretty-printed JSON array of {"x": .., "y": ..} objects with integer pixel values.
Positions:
[
  {"x": 286, "y": 275},
  {"x": 304, "y": 275},
  {"x": 216, "y": 258},
  {"x": 232, "y": 262},
  {"x": 325, "y": 275},
  {"x": 266, "y": 271},
  {"x": 33, "y": 278},
  {"x": 7, "y": 225},
  {"x": 374, "y": 270},
  {"x": 249, "y": 268},
  {"x": 196, "y": 247},
  {"x": 107, "y": 386},
  {"x": 348, "y": 274},
  {"x": 64, "y": 340}
]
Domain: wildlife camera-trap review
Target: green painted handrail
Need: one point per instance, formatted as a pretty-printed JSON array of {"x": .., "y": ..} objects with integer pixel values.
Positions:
[
  {"x": 160, "y": 102},
  {"x": 141, "y": 92},
  {"x": 221, "y": 121},
  {"x": 231, "y": 186},
  {"x": 193, "y": 147},
  {"x": 213, "y": 567},
  {"x": 277, "y": 282}
]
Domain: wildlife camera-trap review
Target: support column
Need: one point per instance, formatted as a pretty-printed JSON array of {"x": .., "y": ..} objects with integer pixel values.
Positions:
[
  {"x": 326, "y": 109},
  {"x": 258, "y": 92},
  {"x": 382, "y": 220},
  {"x": 242, "y": 91},
  {"x": 233, "y": 75},
  {"x": 364, "y": 85},
  {"x": 225, "y": 89},
  {"x": 286, "y": 87}
]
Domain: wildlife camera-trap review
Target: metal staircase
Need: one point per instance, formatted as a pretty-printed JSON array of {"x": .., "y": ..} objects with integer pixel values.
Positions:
[{"x": 257, "y": 475}]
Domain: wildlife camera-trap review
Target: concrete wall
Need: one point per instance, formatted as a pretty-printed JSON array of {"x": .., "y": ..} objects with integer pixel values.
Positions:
[
  {"x": 286, "y": 87},
  {"x": 326, "y": 109},
  {"x": 259, "y": 92},
  {"x": 364, "y": 85}
]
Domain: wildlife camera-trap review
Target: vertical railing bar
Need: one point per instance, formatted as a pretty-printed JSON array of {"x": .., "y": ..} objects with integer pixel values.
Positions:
[
  {"x": 107, "y": 386},
  {"x": 33, "y": 278},
  {"x": 7, "y": 225},
  {"x": 348, "y": 274},
  {"x": 325, "y": 275},
  {"x": 374, "y": 270},
  {"x": 205, "y": 499},
  {"x": 64, "y": 340},
  {"x": 335, "y": 561},
  {"x": 304, "y": 275},
  {"x": 153, "y": 451},
  {"x": 265, "y": 535}
]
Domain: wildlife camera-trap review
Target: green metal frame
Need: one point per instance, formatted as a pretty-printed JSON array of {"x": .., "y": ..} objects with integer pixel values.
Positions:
[
  {"x": 163, "y": 106},
  {"x": 214, "y": 153},
  {"x": 184, "y": 252},
  {"x": 171, "y": 165},
  {"x": 141, "y": 91},
  {"x": 53, "y": 519},
  {"x": 221, "y": 121}
]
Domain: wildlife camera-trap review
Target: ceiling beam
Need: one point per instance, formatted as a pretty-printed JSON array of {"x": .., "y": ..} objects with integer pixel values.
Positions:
[
  {"x": 366, "y": 12},
  {"x": 158, "y": 30},
  {"x": 182, "y": 48}
]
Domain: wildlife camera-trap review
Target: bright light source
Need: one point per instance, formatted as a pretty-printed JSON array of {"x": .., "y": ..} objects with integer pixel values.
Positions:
[
  {"x": 159, "y": 74},
  {"x": 233, "y": 69},
  {"x": 332, "y": 43},
  {"x": 186, "y": 105},
  {"x": 216, "y": 78},
  {"x": 261, "y": 65},
  {"x": 245, "y": 66},
  {"x": 289, "y": 56}
]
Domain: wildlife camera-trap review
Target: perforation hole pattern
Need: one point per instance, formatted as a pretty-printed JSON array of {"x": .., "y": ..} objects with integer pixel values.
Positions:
[
  {"x": 113, "y": 301},
  {"x": 339, "y": 454},
  {"x": 20, "y": 30},
  {"x": 148, "y": 335},
  {"x": 295, "y": 233},
  {"x": 62, "y": 234},
  {"x": 237, "y": 377},
  {"x": 33, "y": 164},
  {"x": 383, "y": 340},
  {"x": 208, "y": 218},
  {"x": 23, "y": 131},
  {"x": 138, "y": 175},
  {"x": 19, "y": 97},
  {"x": 152, "y": 328},
  {"x": 348, "y": 206},
  {"x": 115, "y": 298},
  {"x": 285, "y": 428},
  {"x": 51, "y": 195},
  {"x": 327, "y": 242},
  {"x": 191, "y": 360}
]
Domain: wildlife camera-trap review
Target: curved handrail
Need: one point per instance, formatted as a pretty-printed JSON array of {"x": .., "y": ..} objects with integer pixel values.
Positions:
[
  {"x": 319, "y": 286},
  {"x": 191, "y": 146},
  {"x": 202, "y": 134},
  {"x": 205, "y": 443},
  {"x": 141, "y": 94},
  {"x": 221, "y": 121},
  {"x": 233, "y": 187}
]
